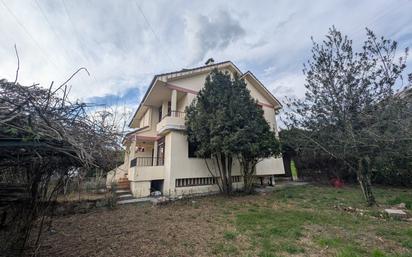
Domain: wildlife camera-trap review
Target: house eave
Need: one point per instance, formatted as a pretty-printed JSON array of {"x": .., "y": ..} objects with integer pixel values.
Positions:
[
  {"x": 278, "y": 105},
  {"x": 164, "y": 77}
]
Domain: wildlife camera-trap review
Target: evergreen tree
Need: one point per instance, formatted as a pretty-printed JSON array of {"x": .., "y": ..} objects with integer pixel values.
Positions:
[
  {"x": 254, "y": 138},
  {"x": 226, "y": 123}
]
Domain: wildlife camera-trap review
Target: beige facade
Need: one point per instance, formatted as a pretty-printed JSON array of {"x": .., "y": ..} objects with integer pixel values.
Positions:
[{"x": 157, "y": 152}]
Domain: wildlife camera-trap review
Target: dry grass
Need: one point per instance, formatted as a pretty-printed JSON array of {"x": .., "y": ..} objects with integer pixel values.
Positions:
[{"x": 298, "y": 221}]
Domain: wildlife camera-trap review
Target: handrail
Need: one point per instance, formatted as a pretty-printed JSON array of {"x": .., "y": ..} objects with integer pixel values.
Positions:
[
  {"x": 178, "y": 114},
  {"x": 147, "y": 161}
]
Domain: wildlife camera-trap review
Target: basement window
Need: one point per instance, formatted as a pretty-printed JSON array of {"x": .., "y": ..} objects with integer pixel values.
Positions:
[{"x": 189, "y": 182}]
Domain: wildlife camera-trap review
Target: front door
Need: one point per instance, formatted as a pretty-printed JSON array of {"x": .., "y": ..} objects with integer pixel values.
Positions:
[{"x": 160, "y": 151}]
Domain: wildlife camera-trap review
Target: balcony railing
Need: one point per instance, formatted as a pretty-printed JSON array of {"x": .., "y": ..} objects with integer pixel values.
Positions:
[
  {"x": 147, "y": 161},
  {"x": 174, "y": 114}
]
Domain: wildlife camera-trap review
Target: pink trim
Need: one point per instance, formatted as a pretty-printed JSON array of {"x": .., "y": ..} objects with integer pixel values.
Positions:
[
  {"x": 181, "y": 89},
  {"x": 185, "y": 90},
  {"x": 148, "y": 138}
]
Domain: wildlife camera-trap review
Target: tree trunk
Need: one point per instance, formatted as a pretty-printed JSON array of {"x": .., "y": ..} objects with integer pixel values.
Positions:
[
  {"x": 229, "y": 174},
  {"x": 224, "y": 173},
  {"x": 363, "y": 174},
  {"x": 248, "y": 169},
  {"x": 247, "y": 178}
]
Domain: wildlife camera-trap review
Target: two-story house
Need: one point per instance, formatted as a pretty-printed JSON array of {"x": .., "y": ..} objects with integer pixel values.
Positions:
[{"x": 158, "y": 155}]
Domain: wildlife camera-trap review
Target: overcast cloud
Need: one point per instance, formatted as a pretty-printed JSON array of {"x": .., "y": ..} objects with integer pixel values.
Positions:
[
  {"x": 206, "y": 34},
  {"x": 124, "y": 43}
]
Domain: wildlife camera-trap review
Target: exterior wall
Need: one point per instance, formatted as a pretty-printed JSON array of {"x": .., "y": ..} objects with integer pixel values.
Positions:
[
  {"x": 146, "y": 119},
  {"x": 200, "y": 190},
  {"x": 131, "y": 155},
  {"x": 147, "y": 150},
  {"x": 181, "y": 166},
  {"x": 140, "y": 188},
  {"x": 142, "y": 177},
  {"x": 147, "y": 173},
  {"x": 270, "y": 166},
  {"x": 255, "y": 93},
  {"x": 182, "y": 103},
  {"x": 168, "y": 163},
  {"x": 150, "y": 119},
  {"x": 114, "y": 175}
]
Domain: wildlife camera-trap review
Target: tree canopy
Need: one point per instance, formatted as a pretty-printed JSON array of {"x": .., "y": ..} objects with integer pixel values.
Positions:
[
  {"x": 351, "y": 111},
  {"x": 226, "y": 123}
]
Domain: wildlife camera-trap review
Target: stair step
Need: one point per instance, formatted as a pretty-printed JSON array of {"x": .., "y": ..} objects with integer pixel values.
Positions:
[
  {"x": 122, "y": 191},
  {"x": 134, "y": 200},
  {"x": 125, "y": 198},
  {"x": 125, "y": 195}
]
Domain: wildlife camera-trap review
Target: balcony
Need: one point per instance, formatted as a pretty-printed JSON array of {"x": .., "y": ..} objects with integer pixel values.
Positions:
[
  {"x": 146, "y": 169},
  {"x": 146, "y": 161},
  {"x": 174, "y": 120}
]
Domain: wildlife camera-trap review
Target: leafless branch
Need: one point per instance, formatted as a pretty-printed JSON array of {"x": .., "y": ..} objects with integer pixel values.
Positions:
[
  {"x": 74, "y": 74},
  {"x": 18, "y": 64}
]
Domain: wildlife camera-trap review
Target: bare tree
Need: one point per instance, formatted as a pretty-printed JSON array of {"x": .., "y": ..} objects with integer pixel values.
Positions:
[
  {"x": 351, "y": 110},
  {"x": 44, "y": 139}
]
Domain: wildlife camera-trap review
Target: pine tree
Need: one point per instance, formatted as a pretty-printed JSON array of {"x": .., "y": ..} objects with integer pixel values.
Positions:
[{"x": 226, "y": 123}]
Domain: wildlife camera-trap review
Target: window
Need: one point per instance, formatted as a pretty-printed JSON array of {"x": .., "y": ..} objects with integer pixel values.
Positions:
[
  {"x": 205, "y": 181},
  {"x": 133, "y": 163},
  {"x": 236, "y": 179},
  {"x": 160, "y": 113},
  {"x": 189, "y": 182},
  {"x": 192, "y": 148}
]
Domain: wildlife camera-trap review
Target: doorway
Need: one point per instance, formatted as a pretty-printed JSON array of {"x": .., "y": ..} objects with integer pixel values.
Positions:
[{"x": 156, "y": 185}]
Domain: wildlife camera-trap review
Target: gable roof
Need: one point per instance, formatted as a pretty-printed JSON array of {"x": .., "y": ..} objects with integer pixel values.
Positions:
[
  {"x": 201, "y": 69},
  {"x": 276, "y": 103},
  {"x": 180, "y": 73}
]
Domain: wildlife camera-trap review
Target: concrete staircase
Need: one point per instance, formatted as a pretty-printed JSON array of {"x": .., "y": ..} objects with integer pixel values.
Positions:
[{"x": 123, "y": 193}]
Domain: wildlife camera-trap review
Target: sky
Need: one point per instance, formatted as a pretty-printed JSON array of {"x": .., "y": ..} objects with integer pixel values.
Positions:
[{"x": 123, "y": 44}]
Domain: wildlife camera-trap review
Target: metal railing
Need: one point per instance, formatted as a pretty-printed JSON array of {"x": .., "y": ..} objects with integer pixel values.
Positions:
[
  {"x": 174, "y": 114},
  {"x": 147, "y": 161}
]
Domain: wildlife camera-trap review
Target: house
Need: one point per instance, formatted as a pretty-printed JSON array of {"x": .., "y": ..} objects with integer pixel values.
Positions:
[{"x": 158, "y": 156}]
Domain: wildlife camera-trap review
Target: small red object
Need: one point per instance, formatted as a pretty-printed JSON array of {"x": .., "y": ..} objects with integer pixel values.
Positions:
[{"x": 337, "y": 182}]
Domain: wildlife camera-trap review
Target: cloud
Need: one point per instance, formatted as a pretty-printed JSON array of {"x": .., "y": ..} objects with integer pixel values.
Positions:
[
  {"x": 116, "y": 44},
  {"x": 290, "y": 84},
  {"x": 128, "y": 97},
  {"x": 205, "y": 34}
]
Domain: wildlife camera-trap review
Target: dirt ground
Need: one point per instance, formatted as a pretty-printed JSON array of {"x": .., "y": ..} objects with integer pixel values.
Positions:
[
  {"x": 178, "y": 229},
  {"x": 295, "y": 221}
]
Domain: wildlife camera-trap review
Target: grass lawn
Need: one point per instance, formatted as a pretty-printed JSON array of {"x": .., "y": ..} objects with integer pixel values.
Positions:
[{"x": 293, "y": 221}]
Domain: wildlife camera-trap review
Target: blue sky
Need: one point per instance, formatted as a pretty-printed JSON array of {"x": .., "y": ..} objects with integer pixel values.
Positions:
[{"x": 124, "y": 43}]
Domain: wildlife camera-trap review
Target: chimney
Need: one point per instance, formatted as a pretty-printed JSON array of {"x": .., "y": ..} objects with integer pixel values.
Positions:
[{"x": 210, "y": 61}]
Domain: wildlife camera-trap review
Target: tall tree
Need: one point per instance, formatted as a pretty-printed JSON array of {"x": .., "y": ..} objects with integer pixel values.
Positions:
[
  {"x": 226, "y": 123},
  {"x": 210, "y": 125},
  {"x": 346, "y": 109},
  {"x": 254, "y": 138}
]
